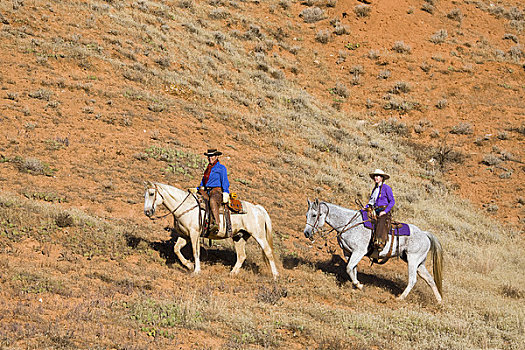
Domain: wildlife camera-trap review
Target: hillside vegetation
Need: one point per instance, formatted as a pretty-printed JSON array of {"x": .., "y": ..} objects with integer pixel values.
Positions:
[{"x": 304, "y": 99}]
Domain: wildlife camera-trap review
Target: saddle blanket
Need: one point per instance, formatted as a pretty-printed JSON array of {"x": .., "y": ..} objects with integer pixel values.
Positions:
[{"x": 404, "y": 230}]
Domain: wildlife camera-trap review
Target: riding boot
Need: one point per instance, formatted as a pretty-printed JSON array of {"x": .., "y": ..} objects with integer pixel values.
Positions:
[
  {"x": 214, "y": 228},
  {"x": 227, "y": 220}
]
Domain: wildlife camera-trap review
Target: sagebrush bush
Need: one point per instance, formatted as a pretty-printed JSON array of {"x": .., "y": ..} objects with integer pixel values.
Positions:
[
  {"x": 455, "y": 15},
  {"x": 400, "y": 87},
  {"x": 312, "y": 14},
  {"x": 41, "y": 94},
  {"x": 323, "y": 36},
  {"x": 462, "y": 129},
  {"x": 341, "y": 90},
  {"x": 491, "y": 159},
  {"x": 362, "y": 10},
  {"x": 428, "y": 8},
  {"x": 439, "y": 37},
  {"x": 392, "y": 126},
  {"x": 384, "y": 74},
  {"x": 442, "y": 103},
  {"x": 401, "y": 47}
]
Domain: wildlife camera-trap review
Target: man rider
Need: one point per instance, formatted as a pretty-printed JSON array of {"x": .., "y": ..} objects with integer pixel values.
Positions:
[{"x": 214, "y": 187}]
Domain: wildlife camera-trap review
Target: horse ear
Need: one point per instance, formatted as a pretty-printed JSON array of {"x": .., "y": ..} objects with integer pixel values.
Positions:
[
  {"x": 309, "y": 203},
  {"x": 316, "y": 201}
]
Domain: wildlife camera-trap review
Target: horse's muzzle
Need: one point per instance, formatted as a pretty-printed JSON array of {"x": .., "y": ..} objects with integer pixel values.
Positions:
[
  {"x": 149, "y": 212},
  {"x": 308, "y": 233}
]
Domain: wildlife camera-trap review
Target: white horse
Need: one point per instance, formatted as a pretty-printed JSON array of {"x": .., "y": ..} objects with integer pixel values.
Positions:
[
  {"x": 185, "y": 210},
  {"x": 354, "y": 239}
]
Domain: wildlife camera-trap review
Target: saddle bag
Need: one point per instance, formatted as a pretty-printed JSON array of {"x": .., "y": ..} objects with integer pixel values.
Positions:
[{"x": 235, "y": 204}]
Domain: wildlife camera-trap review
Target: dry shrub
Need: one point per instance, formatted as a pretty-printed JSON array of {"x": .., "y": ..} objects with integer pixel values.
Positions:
[
  {"x": 442, "y": 103},
  {"x": 491, "y": 159},
  {"x": 341, "y": 90},
  {"x": 41, "y": 94},
  {"x": 323, "y": 36},
  {"x": 362, "y": 10},
  {"x": 512, "y": 292},
  {"x": 516, "y": 52},
  {"x": 439, "y": 37},
  {"x": 397, "y": 104},
  {"x": 427, "y": 7},
  {"x": 64, "y": 220},
  {"x": 462, "y": 129},
  {"x": 401, "y": 47},
  {"x": 271, "y": 295},
  {"x": 392, "y": 126},
  {"x": 312, "y": 14},
  {"x": 455, "y": 15},
  {"x": 400, "y": 87},
  {"x": 384, "y": 74},
  {"x": 31, "y": 165},
  {"x": 219, "y": 13}
]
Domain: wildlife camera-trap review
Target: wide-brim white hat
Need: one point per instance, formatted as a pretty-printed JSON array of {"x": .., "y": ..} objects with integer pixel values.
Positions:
[{"x": 379, "y": 172}]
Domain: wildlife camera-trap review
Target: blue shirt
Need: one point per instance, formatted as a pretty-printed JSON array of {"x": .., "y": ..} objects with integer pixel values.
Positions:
[{"x": 218, "y": 178}]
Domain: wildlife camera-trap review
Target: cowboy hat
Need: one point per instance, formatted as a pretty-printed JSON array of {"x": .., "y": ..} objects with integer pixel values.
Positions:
[
  {"x": 212, "y": 152},
  {"x": 379, "y": 172}
]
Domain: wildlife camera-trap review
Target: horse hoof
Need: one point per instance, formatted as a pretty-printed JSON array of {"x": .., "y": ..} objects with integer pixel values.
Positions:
[
  {"x": 400, "y": 298},
  {"x": 359, "y": 286}
]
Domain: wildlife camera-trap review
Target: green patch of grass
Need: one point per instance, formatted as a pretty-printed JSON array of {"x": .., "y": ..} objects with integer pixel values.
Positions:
[
  {"x": 33, "y": 166},
  {"x": 33, "y": 283},
  {"x": 45, "y": 196},
  {"x": 161, "y": 318},
  {"x": 179, "y": 162}
]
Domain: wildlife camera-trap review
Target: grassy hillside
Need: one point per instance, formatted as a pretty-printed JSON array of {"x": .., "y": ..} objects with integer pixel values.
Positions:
[{"x": 99, "y": 96}]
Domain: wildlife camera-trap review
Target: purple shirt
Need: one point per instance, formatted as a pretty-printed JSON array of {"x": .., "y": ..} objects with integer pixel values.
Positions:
[{"x": 386, "y": 197}]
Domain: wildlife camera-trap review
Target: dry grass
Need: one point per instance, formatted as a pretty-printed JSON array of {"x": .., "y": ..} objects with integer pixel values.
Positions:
[{"x": 318, "y": 309}]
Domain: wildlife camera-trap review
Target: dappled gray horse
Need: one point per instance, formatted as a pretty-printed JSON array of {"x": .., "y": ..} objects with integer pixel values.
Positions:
[{"x": 354, "y": 239}]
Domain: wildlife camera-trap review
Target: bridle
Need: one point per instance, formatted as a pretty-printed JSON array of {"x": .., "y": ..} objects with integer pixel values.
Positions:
[
  {"x": 342, "y": 229},
  {"x": 164, "y": 202}
]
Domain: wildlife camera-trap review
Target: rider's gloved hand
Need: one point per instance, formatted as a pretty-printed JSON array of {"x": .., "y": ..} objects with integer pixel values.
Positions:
[{"x": 225, "y": 197}]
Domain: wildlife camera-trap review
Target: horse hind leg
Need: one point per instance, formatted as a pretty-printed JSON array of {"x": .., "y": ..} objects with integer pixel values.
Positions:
[
  {"x": 412, "y": 276},
  {"x": 427, "y": 277},
  {"x": 268, "y": 253},
  {"x": 240, "y": 249}
]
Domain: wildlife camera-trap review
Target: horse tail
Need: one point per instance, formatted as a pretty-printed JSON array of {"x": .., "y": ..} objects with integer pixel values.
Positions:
[
  {"x": 268, "y": 233},
  {"x": 437, "y": 261}
]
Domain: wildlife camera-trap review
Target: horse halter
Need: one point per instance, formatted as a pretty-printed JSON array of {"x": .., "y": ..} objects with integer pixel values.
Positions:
[
  {"x": 314, "y": 226},
  {"x": 163, "y": 200}
]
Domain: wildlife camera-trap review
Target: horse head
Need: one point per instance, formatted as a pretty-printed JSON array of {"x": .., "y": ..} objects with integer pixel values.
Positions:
[
  {"x": 315, "y": 218},
  {"x": 152, "y": 198}
]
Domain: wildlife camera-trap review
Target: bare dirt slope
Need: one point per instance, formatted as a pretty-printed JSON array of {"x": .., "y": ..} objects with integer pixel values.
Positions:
[{"x": 303, "y": 98}]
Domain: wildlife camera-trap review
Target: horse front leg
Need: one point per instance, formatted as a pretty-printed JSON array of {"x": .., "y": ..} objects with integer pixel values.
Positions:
[
  {"x": 195, "y": 243},
  {"x": 181, "y": 243},
  {"x": 351, "y": 267}
]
